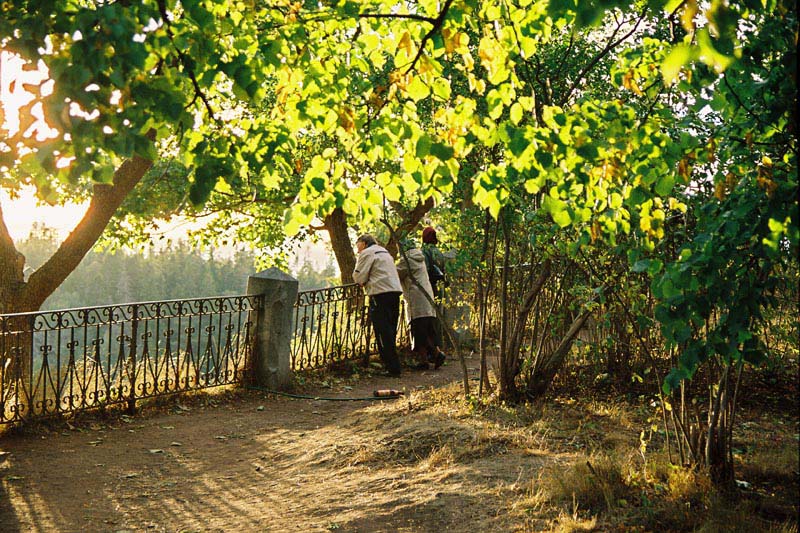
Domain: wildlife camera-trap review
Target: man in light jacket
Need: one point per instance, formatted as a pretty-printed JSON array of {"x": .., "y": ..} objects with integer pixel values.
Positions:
[
  {"x": 411, "y": 266},
  {"x": 375, "y": 271}
]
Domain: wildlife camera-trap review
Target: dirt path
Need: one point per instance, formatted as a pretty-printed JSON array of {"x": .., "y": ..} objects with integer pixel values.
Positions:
[{"x": 253, "y": 462}]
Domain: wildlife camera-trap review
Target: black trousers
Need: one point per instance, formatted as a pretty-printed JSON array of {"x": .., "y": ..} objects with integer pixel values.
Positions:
[
  {"x": 426, "y": 335},
  {"x": 384, "y": 310}
]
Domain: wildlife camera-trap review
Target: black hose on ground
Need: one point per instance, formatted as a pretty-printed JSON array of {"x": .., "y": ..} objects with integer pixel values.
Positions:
[{"x": 396, "y": 395}]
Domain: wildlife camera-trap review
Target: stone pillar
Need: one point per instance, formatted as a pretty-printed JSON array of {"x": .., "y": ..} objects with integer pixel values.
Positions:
[{"x": 274, "y": 331}]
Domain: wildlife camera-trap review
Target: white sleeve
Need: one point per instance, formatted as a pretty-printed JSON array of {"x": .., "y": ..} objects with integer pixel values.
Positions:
[{"x": 363, "y": 266}]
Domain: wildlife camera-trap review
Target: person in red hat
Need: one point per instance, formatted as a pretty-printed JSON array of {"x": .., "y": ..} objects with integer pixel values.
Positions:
[
  {"x": 434, "y": 263},
  {"x": 429, "y": 236},
  {"x": 434, "y": 260}
]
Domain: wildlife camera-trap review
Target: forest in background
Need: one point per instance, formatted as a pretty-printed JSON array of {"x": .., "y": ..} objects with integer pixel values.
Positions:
[{"x": 180, "y": 271}]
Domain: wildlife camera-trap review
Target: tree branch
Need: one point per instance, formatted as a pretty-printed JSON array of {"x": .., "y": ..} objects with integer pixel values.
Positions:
[
  {"x": 105, "y": 201},
  {"x": 198, "y": 92},
  {"x": 410, "y": 16},
  {"x": 610, "y": 45},
  {"x": 437, "y": 25},
  {"x": 12, "y": 264},
  {"x": 409, "y": 222}
]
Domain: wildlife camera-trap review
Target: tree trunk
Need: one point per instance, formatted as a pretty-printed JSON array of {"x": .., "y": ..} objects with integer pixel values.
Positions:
[
  {"x": 541, "y": 379},
  {"x": 336, "y": 224},
  {"x": 17, "y": 295},
  {"x": 409, "y": 222},
  {"x": 12, "y": 264},
  {"x": 716, "y": 452},
  {"x": 507, "y": 380}
]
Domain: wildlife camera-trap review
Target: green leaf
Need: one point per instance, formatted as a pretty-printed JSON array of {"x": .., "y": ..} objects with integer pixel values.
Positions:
[
  {"x": 441, "y": 88},
  {"x": 665, "y": 184},
  {"x": 318, "y": 184},
  {"x": 495, "y": 103},
  {"x": 679, "y": 56},
  {"x": 417, "y": 89},
  {"x": 423, "y": 146},
  {"x": 709, "y": 54},
  {"x": 557, "y": 210},
  {"x": 442, "y": 151},
  {"x": 392, "y": 192},
  {"x": 516, "y": 113}
]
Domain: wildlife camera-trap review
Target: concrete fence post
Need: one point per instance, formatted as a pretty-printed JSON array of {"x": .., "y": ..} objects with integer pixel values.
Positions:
[{"x": 272, "y": 351}]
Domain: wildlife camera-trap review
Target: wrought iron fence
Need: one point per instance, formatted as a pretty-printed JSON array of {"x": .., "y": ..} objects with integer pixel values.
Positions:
[
  {"x": 65, "y": 361},
  {"x": 332, "y": 325},
  {"x": 71, "y": 360}
]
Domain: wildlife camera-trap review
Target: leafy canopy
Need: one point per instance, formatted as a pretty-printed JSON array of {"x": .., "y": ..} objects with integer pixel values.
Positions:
[{"x": 403, "y": 93}]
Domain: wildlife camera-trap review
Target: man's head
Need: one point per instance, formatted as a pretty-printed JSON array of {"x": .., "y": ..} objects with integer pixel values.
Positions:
[
  {"x": 365, "y": 241},
  {"x": 429, "y": 236}
]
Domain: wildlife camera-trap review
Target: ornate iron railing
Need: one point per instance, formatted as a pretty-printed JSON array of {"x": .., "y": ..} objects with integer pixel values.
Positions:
[
  {"x": 332, "y": 325},
  {"x": 70, "y": 360}
]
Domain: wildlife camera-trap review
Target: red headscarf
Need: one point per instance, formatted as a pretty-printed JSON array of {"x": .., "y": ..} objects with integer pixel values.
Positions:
[{"x": 429, "y": 236}]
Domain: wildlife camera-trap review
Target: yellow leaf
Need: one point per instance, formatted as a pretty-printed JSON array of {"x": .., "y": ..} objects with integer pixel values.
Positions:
[
  {"x": 392, "y": 192},
  {"x": 687, "y": 16},
  {"x": 405, "y": 43}
]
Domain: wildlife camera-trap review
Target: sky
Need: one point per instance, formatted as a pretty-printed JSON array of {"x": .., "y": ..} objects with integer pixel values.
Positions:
[{"x": 22, "y": 213}]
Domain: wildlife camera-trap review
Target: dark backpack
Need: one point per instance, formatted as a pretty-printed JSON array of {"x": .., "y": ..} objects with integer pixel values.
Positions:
[{"x": 434, "y": 272}]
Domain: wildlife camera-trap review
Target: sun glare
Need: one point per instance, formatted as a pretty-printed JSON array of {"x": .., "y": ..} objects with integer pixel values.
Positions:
[
  {"x": 22, "y": 212},
  {"x": 14, "y": 76}
]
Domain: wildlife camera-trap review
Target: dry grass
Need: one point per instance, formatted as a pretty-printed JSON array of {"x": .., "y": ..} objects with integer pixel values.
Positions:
[
  {"x": 688, "y": 486},
  {"x": 777, "y": 461},
  {"x": 739, "y": 517},
  {"x": 595, "y": 484},
  {"x": 566, "y": 523}
]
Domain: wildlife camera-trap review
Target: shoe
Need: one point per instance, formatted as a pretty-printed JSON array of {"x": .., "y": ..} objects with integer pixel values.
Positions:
[
  {"x": 438, "y": 360},
  {"x": 388, "y": 374},
  {"x": 420, "y": 366}
]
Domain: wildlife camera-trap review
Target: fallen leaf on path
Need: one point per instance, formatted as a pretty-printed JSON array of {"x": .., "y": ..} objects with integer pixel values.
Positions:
[
  {"x": 156, "y": 450},
  {"x": 176, "y": 444}
]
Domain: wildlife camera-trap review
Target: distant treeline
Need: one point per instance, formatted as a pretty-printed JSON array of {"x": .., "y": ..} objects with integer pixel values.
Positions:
[{"x": 180, "y": 272}]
